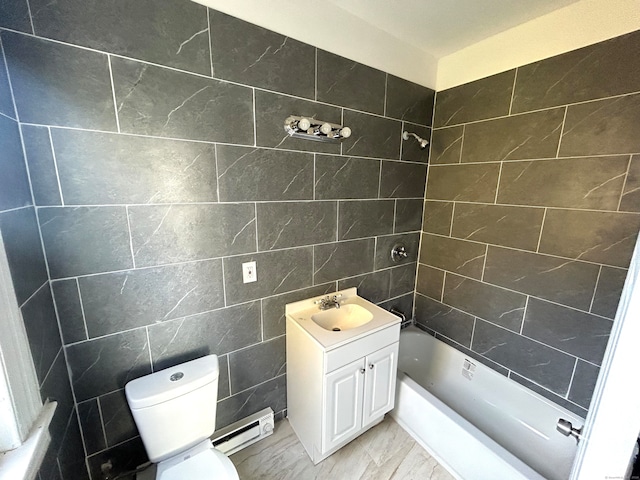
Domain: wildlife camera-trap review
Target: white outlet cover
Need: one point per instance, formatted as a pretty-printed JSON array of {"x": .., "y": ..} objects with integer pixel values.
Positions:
[{"x": 249, "y": 273}]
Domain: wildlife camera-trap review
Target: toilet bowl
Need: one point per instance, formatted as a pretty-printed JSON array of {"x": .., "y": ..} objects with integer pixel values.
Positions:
[{"x": 175, "y": 412}]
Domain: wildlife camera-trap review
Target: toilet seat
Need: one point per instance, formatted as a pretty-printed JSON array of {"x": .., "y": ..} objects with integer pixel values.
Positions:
[{"x": 202, "y": 462}]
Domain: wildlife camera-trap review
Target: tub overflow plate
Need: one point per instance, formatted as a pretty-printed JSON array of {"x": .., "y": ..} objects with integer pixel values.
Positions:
[{"x": 176, "y": 376}]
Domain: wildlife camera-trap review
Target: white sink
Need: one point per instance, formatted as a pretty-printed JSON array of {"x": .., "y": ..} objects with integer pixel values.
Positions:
[{"x": 344, "y": 318}]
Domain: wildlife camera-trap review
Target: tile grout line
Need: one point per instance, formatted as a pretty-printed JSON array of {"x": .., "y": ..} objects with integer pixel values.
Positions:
[
  {"x": 453, "y": 211},
  {"x": 564, "y": 119},
  {"x": 464, "y": 128},
  {"x": 224, "y": 288},
  {"x": 55, "y": 165},
  {"x": 386, "y": 86},
  {"x": 624, "y": 184},
  {"x": 8, "y": 116},
  {"x": 495, "y": 200},
  {"x": 113, "y": 93},
  {"x": 595, "y": 289},
  {"x": 315, "y": 77},
  {"x": 255, "y": 218},
  {"x": 210, "y": 43},
  {"x": 395, "y": 215},
  {"x": 524, "y": 313},
  {"x": 513, "y": 90},
  {"x": 544, "y": 217},
  {"x": 84, "y": 317},
  {"x": 133, "y": 255},
  {"x": 34, "y": 293},
  {"x": 484, "y": 264},
  {"x": 255, "y": 127},
  {"x": 104, "y": 430},
  {"x": 33, "y": 27},
  {"x": 146, "y": 329},
  {"x": 215, "y": 155},
  {"x": 573, "y": 374}
]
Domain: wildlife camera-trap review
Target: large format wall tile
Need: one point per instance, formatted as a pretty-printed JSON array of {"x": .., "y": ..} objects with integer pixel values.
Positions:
[
  {"x": 584, "y": 382},
  {"x": 282, "y": 225},
  {"x": 42, "y": 166},
  {"x": 72, "y": 324},
  {"x": 15, "y": 15},
  {"x": 411, "y": 151},
  {"x": 607, "y": 296},
  {"x": 15, "y": 191},
  {"x": 486, "y": 98},
  {"x": 58, "y": 84},
  {"x": 446, "y": 145},
  {"x": 365, "y": 218},
  {"x": 453, "y": 255},
  {"x": 253, "y": 365},
  {"x": 445, "y": 320},
  {"x": 589, "y": 182},
  {"x": 179, "y": 233},
  {"x": 472, "y": 183},
  {"x": 630, "y": 201},
  {"x": 262, "y": 58},
  {"x": 97, "y": 168},
  {"x": 351, "y": 84},
  {"x": 577, "y": 76},
  {"x": 116, "y": 418},
  {"x": 167, "y": 32},
  {"x": 6, "y": 100},
  {"x": 601, "y": 237},
  {"x": 149, "y": 295},
  {"x": 430, "y": 281},
  {"x": 162, "y": 102},
  {"x": 559, "y": 280},
  {"x": 437, "y": 217},
  {"x": 403, "y": 280},
  {"x": 602, "y": 127},
  {"x": 372, "y": 136},
  {"x": 246, "y": 173},
  {"x": 534, "y": 135},
  {"x": 409, "y": 101},
  {"x": 343, "y": 259},
  {"x": 402, "y": 180},
  {"x": 372, "y": 286},
  {"x": 386, "y": 243},
  {"x": 408, "y": 216},
  {"x": 346, "y": 177},
  {"x": 91, "y": 424}
]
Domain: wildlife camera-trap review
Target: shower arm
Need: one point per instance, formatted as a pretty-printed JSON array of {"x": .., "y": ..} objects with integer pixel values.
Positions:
[{"x": 423, "y": 143}]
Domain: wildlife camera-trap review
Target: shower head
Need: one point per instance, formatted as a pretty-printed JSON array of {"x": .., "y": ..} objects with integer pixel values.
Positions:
[{"x": 423, "y": 143}]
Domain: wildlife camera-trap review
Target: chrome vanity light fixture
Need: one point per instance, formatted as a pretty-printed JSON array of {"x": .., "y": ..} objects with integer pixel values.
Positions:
[
  {"x": 316, "y": 130},
  {"x": 423, "y": 143}
]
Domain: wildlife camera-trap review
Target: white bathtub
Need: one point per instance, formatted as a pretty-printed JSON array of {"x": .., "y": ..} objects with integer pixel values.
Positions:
[{"x": 487, "y": 427}]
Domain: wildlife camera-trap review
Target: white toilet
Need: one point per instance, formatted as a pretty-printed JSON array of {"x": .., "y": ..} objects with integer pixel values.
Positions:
[{"x": 175, "y": 412}]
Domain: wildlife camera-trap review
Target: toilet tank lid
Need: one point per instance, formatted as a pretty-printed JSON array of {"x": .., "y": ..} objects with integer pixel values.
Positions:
[{"x": 171, "y": 382}]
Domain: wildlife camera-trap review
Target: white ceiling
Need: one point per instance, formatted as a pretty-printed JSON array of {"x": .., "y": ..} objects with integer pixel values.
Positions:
[{"x": 441, "y": 27}]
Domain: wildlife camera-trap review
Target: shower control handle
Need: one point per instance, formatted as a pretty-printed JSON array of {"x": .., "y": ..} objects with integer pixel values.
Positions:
[{"x": 566, "y": 428}]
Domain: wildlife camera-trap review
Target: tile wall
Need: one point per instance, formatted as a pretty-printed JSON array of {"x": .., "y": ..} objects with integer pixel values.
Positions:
[
  {"x": 531, "y": 216},
  {"x": 153, "y": 133}
]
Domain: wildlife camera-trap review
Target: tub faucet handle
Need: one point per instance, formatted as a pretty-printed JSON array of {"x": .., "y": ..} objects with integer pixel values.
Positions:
[{"x": 566, "y": 428}]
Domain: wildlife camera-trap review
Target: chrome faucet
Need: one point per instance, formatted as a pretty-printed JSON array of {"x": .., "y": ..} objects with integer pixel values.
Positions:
[{"x": 328, "y": 302}]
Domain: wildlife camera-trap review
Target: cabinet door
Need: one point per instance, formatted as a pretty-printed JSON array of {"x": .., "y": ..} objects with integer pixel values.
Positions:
[
  {"x": 380, "y": 383},
  {"x": 343, "y": 391}
]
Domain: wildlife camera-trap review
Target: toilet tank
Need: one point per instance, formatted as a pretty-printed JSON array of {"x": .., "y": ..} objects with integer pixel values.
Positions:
[{"x": 175, "y": 408}]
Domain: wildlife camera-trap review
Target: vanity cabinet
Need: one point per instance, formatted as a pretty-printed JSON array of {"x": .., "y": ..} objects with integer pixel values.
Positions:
[{"x": 335, "y": 394}]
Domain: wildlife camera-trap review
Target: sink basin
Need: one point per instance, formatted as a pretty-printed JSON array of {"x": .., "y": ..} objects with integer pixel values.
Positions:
[{"x": 344, "y": 318}]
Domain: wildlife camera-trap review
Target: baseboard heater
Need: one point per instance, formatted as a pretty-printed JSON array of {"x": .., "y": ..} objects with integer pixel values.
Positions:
[{"x": 243, "y": 433}]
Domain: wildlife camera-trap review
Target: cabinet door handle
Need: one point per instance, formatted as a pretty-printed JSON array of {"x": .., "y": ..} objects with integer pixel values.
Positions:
[
  {"x": 371, "y": 366},
  {"x": 362, "y": 370}
]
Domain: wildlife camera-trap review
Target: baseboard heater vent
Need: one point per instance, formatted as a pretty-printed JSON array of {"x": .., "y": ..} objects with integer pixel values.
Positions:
[{"x": 243, "y": 433}]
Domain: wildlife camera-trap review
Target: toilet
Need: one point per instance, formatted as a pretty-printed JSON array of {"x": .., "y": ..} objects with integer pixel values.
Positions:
[{"x": 175, "y": 412}]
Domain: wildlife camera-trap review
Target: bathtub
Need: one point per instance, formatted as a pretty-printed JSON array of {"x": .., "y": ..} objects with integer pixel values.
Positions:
[{"x": 477, "y": 423}]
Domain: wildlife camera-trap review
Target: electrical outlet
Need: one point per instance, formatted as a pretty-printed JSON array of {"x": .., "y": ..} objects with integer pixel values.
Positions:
[{"x": 249, "y": 273}]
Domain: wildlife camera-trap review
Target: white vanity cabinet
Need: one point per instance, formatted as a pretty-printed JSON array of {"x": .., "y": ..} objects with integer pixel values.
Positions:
[{"x": 336, "y": 393}]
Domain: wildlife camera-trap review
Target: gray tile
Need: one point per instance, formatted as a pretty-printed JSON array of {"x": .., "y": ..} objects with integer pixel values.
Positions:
[
  {"x": 472, "y": 183},
  {"x": 56, "y": 388},
  {"x": 224, "y": 390},
  {"x": 557, "y": 399},
  {"x": 571, "y": 331},
  {"x": 278, "y": 272},
  {"x": 219, "y": 332},
  {"x": 584, "y": 382},
  {"x": 430, "y": 281},
  {"x": 494, "y": 304},
  {"x": 59, "y": 84},
  {"x": 600, "y": 237},
  {"x": 273, "y": 318},
  {"x": 272, "y": 393},
  {"x": 403, "y": 280},
  {"x": 385, "y": 244},
  {"x": 291, "y": 224},
  {"x": 470, "y": 353},
  {"x": 42, "y": 166},
  {"x": 333, "y": 261},
  {"x": 411, "y": 150},
  {"x": 408, "y": 215},
  {"x": 372, "y": 136},
  {"x": 157, "y": 101},
  {"x": 97, "y": 169},
  {"x": 259, "y": 174},
  {"x": 69, "y": 309},
  {"x": 71, "y": 455},
  {"x": 409, "y": 101},
  {"x": 351, "y": 84},
  {"x": 91, "y": 424},
  {"x": 256, "y": 364},
  {"x": 533, "y": 135},
  {"x": 24, "y": 251},
  {"x": 446, "y": 145},
  {"x": 444, "y": 320},
  {"x": 14, "y": 14},
  {"x": 168, "y": 32},
  {"x": 608, "y": 291},
  {"x": 437, "y": 217},
  {"x": 372, "y": 286},
  {"x": 150, "y": 295},
  {"x": 630, "y": 201},
  {"x": 116, "y": 416},
  {"x": 365, "y": 218},
  {"x": 85, "y": 240},
  {"x": 403, "y": 304},
  {"x": 453, "y": 255},
  {"x": 41, "y": 324},
  {"x": 14, "y": 187},
  {"x": 587, "y": 182},
  {"x": 272, "y": 110},
  {"x": 517, "y": 227},
  {"x": 128, "y": 456},
  {"x": 544, "y": 365},
  {"x": 567, "y": 282},
  {"x": 575, "y": 76},
  {"x": 402, "y": 180},
  {"x": 6, "y": 100},
  {"x": 346, "y": 177},
  {"x": 263, "y": 58},
  {"x": 486, "y": 98},
  {"x": 106, "y": 364},
  {"x": 602, "y": 127},
  {"x": 178, "y": 233}
]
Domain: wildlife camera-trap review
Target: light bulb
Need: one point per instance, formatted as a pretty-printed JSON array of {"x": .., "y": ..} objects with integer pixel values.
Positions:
[
  {"x": 304, "y": 123},
  {"x": 325, "y": 128},
  {"x": 345, "y": 132}
]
